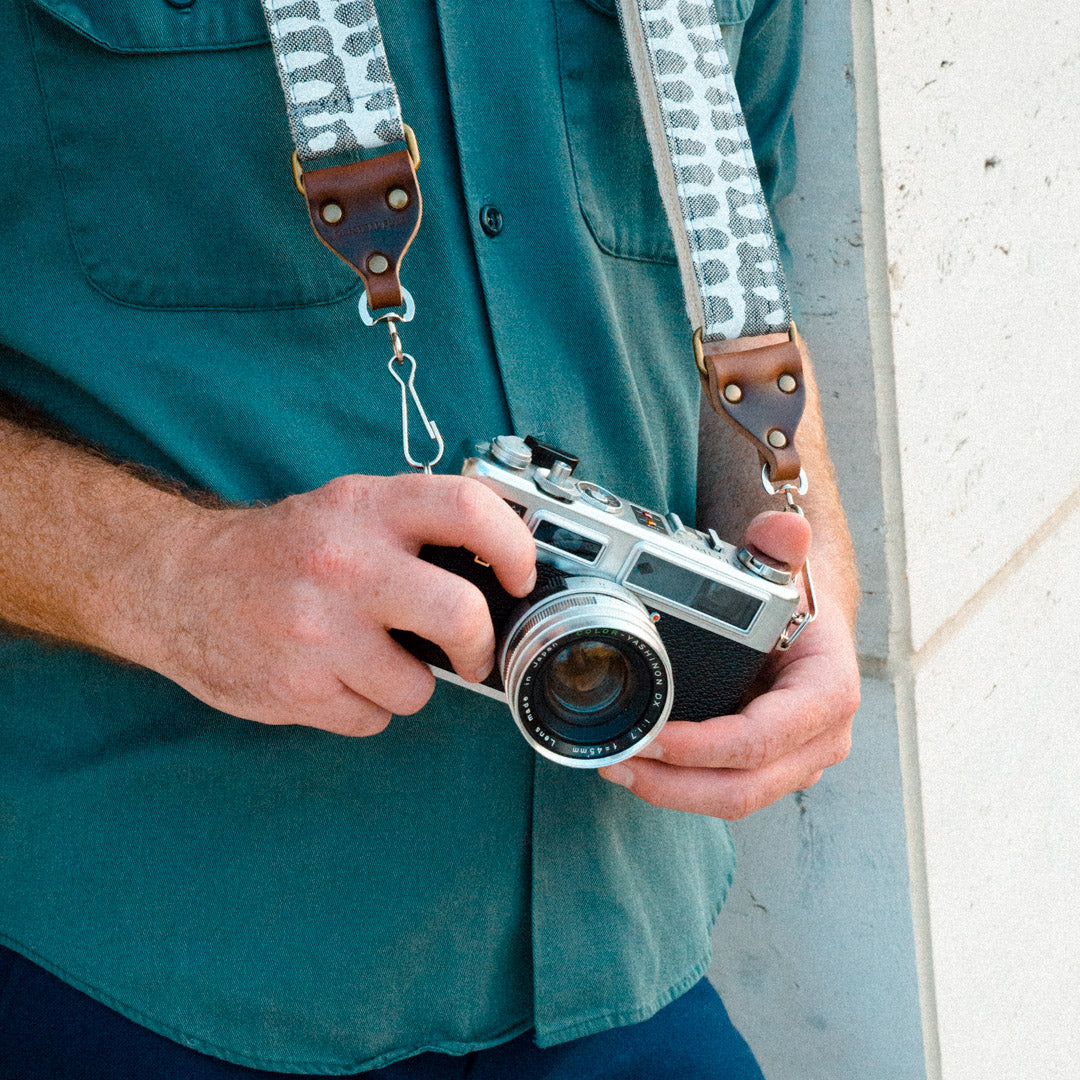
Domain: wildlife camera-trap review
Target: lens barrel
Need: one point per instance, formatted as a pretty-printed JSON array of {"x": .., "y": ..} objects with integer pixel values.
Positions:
[{"x": 586, "y": 676}]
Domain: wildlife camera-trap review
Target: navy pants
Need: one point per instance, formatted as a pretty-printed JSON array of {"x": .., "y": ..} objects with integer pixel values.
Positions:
[{"x": 50, "y": 1031}]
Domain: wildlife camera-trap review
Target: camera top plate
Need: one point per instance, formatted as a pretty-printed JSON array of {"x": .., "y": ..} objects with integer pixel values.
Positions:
[{"x": 587, "y": 529}]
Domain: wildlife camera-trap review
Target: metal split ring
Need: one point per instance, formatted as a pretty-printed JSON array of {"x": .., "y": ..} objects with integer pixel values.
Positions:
[
  {"x": 786, "y": 488},
  {"x": 369, "y": 319}
]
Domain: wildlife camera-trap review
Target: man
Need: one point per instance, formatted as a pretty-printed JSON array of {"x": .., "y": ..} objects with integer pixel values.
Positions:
[{"x": 210, "y": 824}]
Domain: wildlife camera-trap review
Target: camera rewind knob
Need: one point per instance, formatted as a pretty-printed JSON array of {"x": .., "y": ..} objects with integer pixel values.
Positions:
[{"x": 511, "y": 451}]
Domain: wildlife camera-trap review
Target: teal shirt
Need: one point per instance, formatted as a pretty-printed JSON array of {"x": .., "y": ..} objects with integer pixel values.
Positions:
[{"x": 281, "y": 897}]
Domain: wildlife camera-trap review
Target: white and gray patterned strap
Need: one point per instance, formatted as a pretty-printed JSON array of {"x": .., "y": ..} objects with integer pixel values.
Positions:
[
  {"x": 728, "y": 255},
  {"x": 341, "y": 99},
  {"x": 330, "y": 56}
]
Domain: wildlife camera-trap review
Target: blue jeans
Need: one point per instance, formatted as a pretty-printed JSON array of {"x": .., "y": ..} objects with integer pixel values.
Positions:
[{"x": 50, "y": 1031}]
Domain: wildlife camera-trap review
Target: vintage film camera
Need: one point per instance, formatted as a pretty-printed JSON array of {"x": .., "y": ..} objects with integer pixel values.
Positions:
[{"x": 636, "y": 619}]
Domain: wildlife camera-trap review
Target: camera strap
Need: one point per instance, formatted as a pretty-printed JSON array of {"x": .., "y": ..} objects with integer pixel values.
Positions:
[
  {"x": 733, "y": 282},
  {"x": 355, "y": 163}
]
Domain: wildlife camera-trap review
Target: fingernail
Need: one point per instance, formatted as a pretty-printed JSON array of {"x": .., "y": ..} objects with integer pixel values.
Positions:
[
  {"x": 484, "y": 670},
  {"x": 618, "y": 774},
  {"x": 532, "y": 581},
  {"x": 653, "y": 750}
]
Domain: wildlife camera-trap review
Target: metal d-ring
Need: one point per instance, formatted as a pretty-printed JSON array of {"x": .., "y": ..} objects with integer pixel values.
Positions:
[{"x": 787, "y": 486}]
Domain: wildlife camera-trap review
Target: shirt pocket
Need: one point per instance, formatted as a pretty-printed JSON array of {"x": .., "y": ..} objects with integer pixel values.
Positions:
[
  {"x": 613, "y": 171},
  {"x": 169, "y": 132}
]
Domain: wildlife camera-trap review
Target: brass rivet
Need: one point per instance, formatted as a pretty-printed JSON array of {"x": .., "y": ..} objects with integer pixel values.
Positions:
[
  {"x": 733, "y": 392},
  {"x": 332, "y": 213},
  {"x": 378, "y": 264},
  {"x": 777, "y": 439},
  {"x": 787, "y": 383},
  {"x": 398, "y": 198}
]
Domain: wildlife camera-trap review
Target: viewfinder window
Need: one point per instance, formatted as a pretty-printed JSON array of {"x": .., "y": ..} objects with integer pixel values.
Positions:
[{"x": 564, "y": 539}]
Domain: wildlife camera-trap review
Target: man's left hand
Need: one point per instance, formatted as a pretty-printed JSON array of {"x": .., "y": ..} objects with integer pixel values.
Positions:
[{"x": 784, "y": 739}]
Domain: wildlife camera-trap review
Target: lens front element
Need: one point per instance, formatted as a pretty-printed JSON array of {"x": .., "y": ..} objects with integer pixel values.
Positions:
[
  {"x": 586, "y": 676},
  {"x": 586, "y": 682}
]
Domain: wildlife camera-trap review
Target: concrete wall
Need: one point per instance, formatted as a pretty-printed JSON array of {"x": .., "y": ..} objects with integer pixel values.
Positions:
[
  {"x": 915, "y": 914},
  {"x": 978, "y": 128}
]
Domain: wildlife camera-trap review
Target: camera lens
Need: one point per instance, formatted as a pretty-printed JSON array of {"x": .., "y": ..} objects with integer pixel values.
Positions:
[
  {"x": 585, "y": 674},
  {"x": 586, "y": 681}
]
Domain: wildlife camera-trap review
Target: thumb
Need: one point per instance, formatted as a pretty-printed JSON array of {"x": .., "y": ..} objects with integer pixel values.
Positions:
[{"x": 779, "y": 537}]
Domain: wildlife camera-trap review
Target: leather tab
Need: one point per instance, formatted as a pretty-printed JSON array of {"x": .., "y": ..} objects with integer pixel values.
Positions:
[
  {"x": 745, "y": 381},
  {"x": 365, "y": 225}
]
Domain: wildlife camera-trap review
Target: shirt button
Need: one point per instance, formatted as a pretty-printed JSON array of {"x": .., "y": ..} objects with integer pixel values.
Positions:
[{"x": 491, "y": 220}]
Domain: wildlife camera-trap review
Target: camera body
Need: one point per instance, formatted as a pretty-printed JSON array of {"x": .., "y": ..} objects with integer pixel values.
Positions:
[{"x": 635, "y": 619}]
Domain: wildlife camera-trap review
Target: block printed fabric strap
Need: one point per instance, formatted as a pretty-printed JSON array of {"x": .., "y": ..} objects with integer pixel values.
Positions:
[
  {"x": 728, "y": 255},
  {"x": 341, "y": 100},
  {"x": 337, "y": 82},
  {"x": 733, "y": 282}
]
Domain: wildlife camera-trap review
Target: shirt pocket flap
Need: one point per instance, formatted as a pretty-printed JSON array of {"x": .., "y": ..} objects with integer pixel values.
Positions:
[
  {"x": 171, "y": 140},
  {"x": 136, "y": 26}
]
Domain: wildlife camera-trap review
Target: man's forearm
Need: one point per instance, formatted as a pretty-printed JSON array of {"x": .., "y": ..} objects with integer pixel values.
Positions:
[
  {"x": 277, "y": 613},
  {"x": 730, "y": 494},
  {"x": 80, "y": 541}
]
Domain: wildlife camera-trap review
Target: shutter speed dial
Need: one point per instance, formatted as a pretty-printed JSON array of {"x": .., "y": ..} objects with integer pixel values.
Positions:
[{"x": 599, "y": 496}]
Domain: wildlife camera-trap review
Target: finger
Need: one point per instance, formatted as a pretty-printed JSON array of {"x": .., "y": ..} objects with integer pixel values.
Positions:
[
  {"x": 779, "y": 537},
  {"x": 342, "y": 712},
  {"x": 458, "y": 511},
  {"x": 815, "y": 687},
  {"x": 390, "y": 677},
  {"x": 443, "y": 608},
  {"x": 729, "y": 793},
  {"x": 353, "y": 715},
  {"x": 769, "y": 728}
]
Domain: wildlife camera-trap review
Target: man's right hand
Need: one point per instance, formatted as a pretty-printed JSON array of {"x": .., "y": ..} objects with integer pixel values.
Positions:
[{"x": 279, "y": 614}]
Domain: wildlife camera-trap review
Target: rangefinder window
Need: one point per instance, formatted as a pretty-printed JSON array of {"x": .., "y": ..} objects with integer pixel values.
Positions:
[
  {"x": 564, "y": 539},
  {"x": 681, "y": 586},
  {"x": 736, "y": 608}
]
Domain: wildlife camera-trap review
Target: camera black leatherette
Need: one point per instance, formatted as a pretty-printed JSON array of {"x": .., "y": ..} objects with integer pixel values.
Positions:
[{"x": 636, "y": 619}]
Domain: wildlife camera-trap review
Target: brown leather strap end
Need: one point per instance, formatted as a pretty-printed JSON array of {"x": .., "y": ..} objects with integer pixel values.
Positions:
[
  {"x": 757, "y": 383},
  {"x": 368, "y": 213}
]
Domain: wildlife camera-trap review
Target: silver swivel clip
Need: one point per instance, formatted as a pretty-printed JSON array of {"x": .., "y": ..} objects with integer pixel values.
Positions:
[
  {"x": 801, "y": 619},
  {"x": 407, "y": 383}
]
